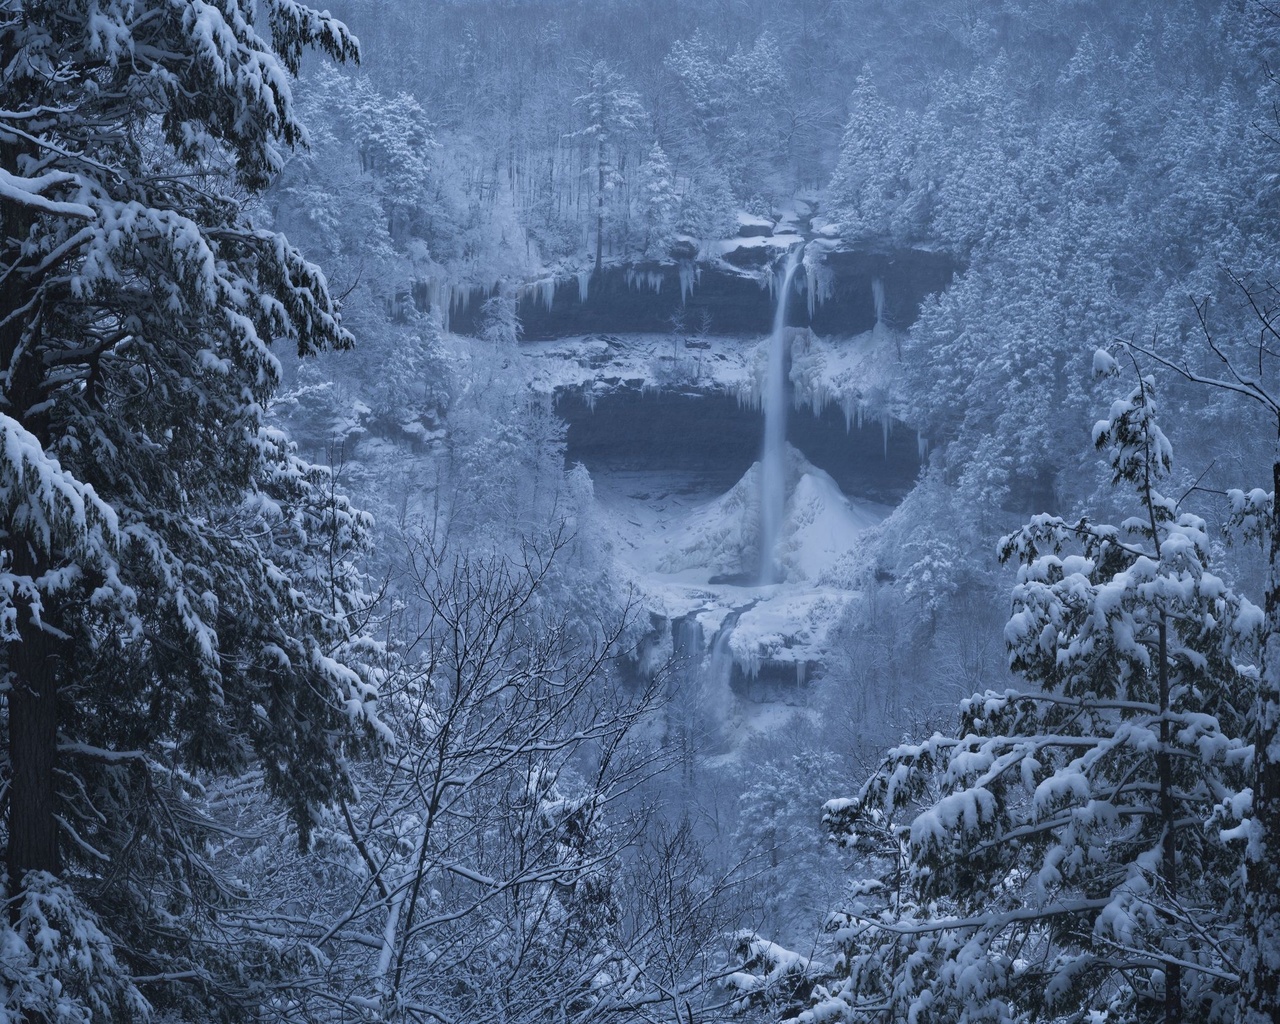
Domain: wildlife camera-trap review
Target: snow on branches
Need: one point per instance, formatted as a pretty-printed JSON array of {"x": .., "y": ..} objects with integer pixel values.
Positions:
[
  {"x": 177, "y": 587},
  {"x": 1073, "y": 844}
]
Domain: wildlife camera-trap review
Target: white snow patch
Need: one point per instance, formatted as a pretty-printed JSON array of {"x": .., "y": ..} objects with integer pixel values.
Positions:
[
  {"x": 792, "y": 213},
  {"x": 750, "y": 220},
  {"x": 859, "y": 374},
  {"x": 791, "y": 626},
  {"x": 671, "y": 529},
  {"x": 822, "y": 525},
  {"x": 597, "y": 362},
  {"x": 780, "y": 242}
]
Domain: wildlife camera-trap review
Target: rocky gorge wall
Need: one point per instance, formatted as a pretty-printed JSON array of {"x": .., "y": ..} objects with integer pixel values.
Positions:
[
  {"x": 717, "y": 437},
  {"x": 731, "y": 294}
]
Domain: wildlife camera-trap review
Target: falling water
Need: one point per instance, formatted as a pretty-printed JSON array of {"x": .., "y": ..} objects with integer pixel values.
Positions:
[
  {"x": 720, "y": 662},
  {"x": 877, "y": 298},
  {"x": 773, "y": 470}
]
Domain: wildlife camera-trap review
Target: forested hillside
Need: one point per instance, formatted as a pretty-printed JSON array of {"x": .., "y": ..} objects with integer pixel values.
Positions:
[{"x": 684, "y": 510}]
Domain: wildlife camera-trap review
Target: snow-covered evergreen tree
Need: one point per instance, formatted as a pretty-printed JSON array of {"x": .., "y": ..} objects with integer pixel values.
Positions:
[
  {"x": 500, "y": 323},
  {"x": 1071, "y": 846},
  {"x": 1253, "y": 517},
  {"x": 736, "y": 99},
  {"x": 612, "y": 112},
  {"x": 659, "y": 204},
  {"x": 870, "y": 185},
  {"x": 177, "y": 590}
]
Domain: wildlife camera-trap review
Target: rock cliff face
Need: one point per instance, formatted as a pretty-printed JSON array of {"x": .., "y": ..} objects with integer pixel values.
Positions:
[
  {"x": 716, "y": 437},
  {"x": 729, "y": 295}
]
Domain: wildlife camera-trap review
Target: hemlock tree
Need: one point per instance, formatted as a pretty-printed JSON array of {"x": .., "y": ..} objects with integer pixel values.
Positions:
[
  {"x": 659, "y": 204},
  {"x": 383, "y": 145},
  {"x": 500, "y": 322},
  {"x": 1071, "y": 847},
  {"x": 1254, "y": 514},
  {"x": 176, "y": 587},
  {"x": 869, "y": 188},
  {"x": 613, "y": 112}
]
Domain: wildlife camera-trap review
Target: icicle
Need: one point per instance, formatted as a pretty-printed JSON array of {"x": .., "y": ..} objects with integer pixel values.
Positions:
[
  {"x": 819, "y": 281},
  {"x": 541, "y": 292},
  {"x": 584, "y": 284},
  {"x": 445, "y": 301},
  {"x": 650, "y": 280},
  {"x": 768, "y": 280},
  {"x": 533, "y": 292},
  {"x": 877, "y": 298},
  {"x": 431, "y": 291},
  {"x": 690, "y": 274},
  {"x": 885, "y": 423}
]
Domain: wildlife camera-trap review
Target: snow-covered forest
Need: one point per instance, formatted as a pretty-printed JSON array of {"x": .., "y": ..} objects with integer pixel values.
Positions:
[{"x": 686, "y": 511}]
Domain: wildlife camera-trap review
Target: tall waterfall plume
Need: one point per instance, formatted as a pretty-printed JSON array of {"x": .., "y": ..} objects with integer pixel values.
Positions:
[{"x": 773, "y": 469}]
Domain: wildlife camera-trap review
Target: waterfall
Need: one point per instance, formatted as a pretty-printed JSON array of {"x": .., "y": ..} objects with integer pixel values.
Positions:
[
  {"x": 718, "y": 665},
  {"x": 773, "y": 469},
  {"x": 720, "y": 661}
]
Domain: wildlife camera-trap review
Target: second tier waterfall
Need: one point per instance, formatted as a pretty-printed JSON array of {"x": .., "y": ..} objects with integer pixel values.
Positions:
[{"x": 773, "y": 468}]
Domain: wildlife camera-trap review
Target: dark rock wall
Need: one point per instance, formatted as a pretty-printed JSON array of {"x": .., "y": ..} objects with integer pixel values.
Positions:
[
  {"x": 909, "y": 277},
  {"x": 712, "y": 435},
  {"x": 643, "y": 298}
]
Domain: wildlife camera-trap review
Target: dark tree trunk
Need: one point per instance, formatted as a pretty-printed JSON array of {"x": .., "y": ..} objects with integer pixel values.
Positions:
[
  {"x": 33, "y": 671},
  {"x": 1168, "y": 817},
  {"x": 33, "y": 745},
  {"x": 1260, "y": 964},
  {"x": 600, "y": 208}
]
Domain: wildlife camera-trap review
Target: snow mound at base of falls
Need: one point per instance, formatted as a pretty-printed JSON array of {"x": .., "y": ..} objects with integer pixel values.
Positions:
[
  {"x": 821, "y": 525},
  {"x": 722, "y": 536}
]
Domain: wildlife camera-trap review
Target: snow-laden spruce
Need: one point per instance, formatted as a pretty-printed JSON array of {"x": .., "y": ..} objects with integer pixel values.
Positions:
[
  {"x": 177, "y": 590},
  {"x": 1073, "y": 845}
]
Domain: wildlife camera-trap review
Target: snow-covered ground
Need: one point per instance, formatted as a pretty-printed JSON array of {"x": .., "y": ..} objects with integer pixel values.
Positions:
[
  {"x": 672, "y": 526},
  {"x": 598, "y": 363}
]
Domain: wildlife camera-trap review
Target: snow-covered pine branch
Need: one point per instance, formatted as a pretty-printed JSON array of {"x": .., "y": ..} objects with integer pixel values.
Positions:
[
  {"x": 175, "y": 582},
  {"x": 1071, "y": 846}
]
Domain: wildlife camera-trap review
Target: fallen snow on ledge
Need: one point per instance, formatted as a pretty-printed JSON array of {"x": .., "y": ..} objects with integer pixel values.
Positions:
[{"x": 857, "y": 374}]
